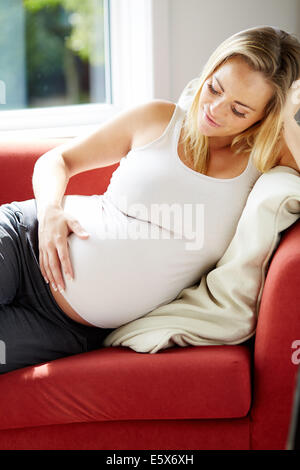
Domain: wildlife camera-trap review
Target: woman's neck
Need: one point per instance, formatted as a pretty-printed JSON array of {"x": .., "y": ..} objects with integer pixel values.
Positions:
[{"x": 219, "y": 143}]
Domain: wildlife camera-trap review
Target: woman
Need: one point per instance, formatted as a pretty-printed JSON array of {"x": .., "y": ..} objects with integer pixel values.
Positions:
[{"x": 100, "y": 265}]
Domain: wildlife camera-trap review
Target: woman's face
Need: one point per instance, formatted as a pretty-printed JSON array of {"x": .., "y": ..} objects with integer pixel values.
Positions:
[{"x": 234, "y": 96}]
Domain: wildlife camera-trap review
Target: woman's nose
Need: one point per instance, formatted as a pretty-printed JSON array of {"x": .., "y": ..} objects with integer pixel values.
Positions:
[
  {"x": 217, "y": 106},
  {"x": 218, "y": 109}
]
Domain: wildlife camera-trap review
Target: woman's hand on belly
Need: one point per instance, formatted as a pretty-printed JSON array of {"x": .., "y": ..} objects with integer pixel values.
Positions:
[{"x": 54, "y": 228}]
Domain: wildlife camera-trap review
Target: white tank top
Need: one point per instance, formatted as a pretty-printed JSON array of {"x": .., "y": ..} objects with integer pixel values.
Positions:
[{"x": 157, "y": 229}]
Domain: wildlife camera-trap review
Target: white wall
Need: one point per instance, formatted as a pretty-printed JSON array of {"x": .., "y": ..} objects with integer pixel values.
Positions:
[{"x": 197, "y": 27}]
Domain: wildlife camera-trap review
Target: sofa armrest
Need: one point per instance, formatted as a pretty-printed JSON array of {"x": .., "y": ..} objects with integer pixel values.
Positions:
[
  {"x": 17, "y": 161},
  {"x": 277, "y": 328}
]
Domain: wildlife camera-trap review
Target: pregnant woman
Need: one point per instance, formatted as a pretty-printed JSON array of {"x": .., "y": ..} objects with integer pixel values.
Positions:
[{"x": 72, "y": 268}]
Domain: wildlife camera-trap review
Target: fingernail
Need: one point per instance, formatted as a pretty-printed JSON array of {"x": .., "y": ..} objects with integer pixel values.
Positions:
[
  {"x": 54, "y": 286},
  {"x": 69, "y": 277},
  {"x": 60, "y": 289},
  {"x": 46, "y": 280}
]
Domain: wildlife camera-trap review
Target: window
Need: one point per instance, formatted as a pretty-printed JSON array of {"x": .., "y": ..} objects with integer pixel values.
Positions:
[
  {"x": 67, "y": 65},
  {"x": 55, "y": 62},
  {"x": 54, "y": 53}
]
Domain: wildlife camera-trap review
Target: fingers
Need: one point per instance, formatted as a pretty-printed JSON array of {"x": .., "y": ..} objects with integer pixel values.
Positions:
[
  {"x": 65, "y": 261},
  {"x": 43, "y": 263},
  {"x": 52, "y": 266},
  {"x": 55, "y": 257},
  {"x": 75, "y": 227}
]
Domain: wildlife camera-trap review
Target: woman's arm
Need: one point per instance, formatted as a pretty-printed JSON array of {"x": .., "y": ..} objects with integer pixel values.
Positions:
[
  {"x": 291, "y": 133},
  {"x": 53, "y": 170},
  {"x": 291, "y": 129}
]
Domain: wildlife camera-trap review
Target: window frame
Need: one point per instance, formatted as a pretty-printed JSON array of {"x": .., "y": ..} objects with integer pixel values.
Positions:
[{"x": 139, "y": 72}]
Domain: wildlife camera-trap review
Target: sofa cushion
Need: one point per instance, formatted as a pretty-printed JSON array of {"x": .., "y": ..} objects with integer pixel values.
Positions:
[{"x": 120, "y": 384}]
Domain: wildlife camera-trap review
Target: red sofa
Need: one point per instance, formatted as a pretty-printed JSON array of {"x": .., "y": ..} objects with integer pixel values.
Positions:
[{"x": 207, "y": 397}]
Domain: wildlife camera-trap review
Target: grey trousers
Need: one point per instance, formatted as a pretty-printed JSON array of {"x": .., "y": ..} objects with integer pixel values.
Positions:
[{"x": 33, "y": 329}]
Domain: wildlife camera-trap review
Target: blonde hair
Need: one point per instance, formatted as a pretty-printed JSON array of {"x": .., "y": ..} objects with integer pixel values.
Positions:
[{"x": 274, "y": 53}]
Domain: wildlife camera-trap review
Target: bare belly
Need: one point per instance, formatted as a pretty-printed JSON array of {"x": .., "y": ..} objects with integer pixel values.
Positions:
[{"x": 66, "y": 307}]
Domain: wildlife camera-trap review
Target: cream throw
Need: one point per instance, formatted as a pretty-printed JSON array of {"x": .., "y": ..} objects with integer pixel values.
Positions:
[{"x": 223, "y": 308}]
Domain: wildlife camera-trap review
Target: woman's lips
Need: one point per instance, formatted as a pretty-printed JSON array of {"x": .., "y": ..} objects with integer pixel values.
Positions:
[{"x": 210, "y": 121}]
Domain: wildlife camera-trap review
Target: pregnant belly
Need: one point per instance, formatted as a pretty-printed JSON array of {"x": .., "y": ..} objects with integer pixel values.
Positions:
[
  {"x": 66, "y": 307},
  {"x": 117, "y": 280}
]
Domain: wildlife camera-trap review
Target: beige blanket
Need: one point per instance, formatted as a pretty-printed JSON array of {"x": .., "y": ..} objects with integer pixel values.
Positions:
[{"x": 223, "y": 307}]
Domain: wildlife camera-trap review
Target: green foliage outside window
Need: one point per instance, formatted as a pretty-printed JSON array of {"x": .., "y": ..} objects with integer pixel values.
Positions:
[{"x": 63, "y": 38}]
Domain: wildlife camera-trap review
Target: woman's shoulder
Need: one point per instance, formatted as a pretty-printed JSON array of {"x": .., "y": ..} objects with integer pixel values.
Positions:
[
  {"x": 154, "y": 119},
  {"x": 159, "y": 110}
]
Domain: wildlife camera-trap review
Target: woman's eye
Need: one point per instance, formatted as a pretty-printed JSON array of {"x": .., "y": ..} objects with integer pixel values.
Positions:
[
  {"x": 212, "y": 89},
  {"x": 238, "y": 114},
  {"x": 215, "y": 92}
]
